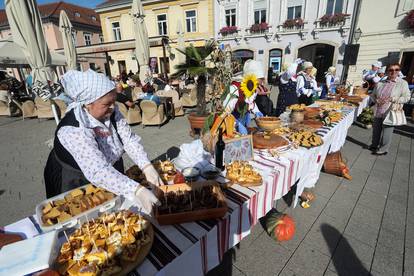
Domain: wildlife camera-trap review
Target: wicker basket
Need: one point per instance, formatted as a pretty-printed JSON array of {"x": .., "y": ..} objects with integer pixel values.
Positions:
[
  {"x": 334, "y": 164},
  {"x": 359, "y": 90}
]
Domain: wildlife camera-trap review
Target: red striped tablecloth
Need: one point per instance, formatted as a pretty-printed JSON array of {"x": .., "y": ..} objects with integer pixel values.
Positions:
[{"x": 197, "y": 247}]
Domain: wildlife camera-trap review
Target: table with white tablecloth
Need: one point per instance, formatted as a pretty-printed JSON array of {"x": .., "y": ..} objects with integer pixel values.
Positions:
[{"x": 194, "y": 248}]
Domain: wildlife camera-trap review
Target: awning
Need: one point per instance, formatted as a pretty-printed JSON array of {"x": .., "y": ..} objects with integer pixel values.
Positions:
[{"x": 11, "y": 55}]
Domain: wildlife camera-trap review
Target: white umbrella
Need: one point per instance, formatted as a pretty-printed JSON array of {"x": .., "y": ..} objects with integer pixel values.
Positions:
[
  {"x": 180, "y": 42},
  {"x": 65, "y": 27},
  {"x": 141, "y": 38},
  {"x": 26, "y": 26}
]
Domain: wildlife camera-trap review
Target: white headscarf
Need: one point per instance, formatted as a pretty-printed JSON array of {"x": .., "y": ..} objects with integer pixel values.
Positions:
[
  {"x": 85, "y": 88},
  {"x": 253, "y": 67}
]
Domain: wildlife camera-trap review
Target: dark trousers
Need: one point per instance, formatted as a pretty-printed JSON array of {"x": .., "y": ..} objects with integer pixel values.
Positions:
[
  {"x": 381, "y": 135},
  {"x": 303, "y": 99}
]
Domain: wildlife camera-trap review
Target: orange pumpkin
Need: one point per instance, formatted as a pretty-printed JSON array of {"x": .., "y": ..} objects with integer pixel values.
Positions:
[{"x": 280, "y": 226}]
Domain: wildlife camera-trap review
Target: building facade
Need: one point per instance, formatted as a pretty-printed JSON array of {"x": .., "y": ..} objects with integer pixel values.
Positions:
[
  {"x": 162, "y": 18},
  {"x": 86, "y": 25},
  {"x": 279, "y": 31},
  {"x": 390, "y": 39}
]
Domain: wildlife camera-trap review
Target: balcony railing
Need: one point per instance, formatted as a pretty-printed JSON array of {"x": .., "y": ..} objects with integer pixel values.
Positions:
[{"x": 335, "y": 21}]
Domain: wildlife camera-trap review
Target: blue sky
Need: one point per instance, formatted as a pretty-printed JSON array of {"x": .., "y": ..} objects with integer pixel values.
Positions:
[{"x": 83, "y": 3}]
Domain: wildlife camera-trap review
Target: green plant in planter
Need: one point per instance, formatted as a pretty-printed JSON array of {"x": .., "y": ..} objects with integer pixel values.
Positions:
[
  {"x": 367, "y": 116},
  {"x": 198, "y": 65}
]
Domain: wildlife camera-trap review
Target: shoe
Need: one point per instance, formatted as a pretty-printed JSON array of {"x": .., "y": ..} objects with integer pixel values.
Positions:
[
  {"x": 380, "y": 152},
  {"x": 372, "y": 148}
]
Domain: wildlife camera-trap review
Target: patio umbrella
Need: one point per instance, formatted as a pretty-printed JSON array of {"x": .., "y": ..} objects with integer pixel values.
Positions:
[
  {"x": 141, "y": 38},
  {"x": 65, "y": 27},
  {"x": 180, "y": 42},
  {"x": 26, "y": 26}
]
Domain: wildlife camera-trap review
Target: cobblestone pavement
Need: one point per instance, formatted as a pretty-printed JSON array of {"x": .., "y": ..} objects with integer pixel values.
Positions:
[{"x": 353, "y": 227}]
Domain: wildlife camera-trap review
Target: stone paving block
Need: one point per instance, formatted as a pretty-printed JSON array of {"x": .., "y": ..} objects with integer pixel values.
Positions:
[
  {"x": 394, "y": 216},
  {"x": 364, "y": 162},
  {"x": 325, "y": 239},
  {"x": 327, "y": 185},
  {"x": 340, "y": 211},
  {"x": 378, "y": 184},
  {"x": 226, "y": 267},
  {"x": 264, "y": 257},
  {"x": 344, "y": 195},
  {"x": 352, "y": 257},
  {"x": 409, "y": 261},
  {"x": 362, "y": 232},
  {"x": 386, "y": 261},
  {"x": 329, "y": 272},
  {"x": 372, "y": 200},
  {"x": 362, "y": 214},
  {"x": 392, "y": 239},
  {"x": 255, "y": 232},
  {"x": 316, "y": 206},
  {"x": 308, "y": 261}
]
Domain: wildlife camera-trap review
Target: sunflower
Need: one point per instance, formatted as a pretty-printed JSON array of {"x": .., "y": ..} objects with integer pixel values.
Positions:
[{"x": 249, "y": 85}]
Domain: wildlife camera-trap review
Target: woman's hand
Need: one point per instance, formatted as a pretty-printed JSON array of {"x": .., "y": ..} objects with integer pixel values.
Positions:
[
  {"x": 146, "y": 199},
  {"x": 152, "y": 175}
]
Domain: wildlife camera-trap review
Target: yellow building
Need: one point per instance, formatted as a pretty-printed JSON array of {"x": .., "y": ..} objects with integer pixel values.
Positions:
[{"x": 162, "y": 18}]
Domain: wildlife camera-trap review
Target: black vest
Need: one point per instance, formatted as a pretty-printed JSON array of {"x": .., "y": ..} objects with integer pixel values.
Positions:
[{"x": 62, "y": 172}]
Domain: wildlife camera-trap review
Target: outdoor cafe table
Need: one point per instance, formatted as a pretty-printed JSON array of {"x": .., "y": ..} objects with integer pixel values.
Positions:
[{"x": 195, "y": 248}]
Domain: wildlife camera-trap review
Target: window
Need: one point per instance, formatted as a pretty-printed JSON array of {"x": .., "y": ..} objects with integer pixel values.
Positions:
[
  {"x": 259, "y": 11},
  {"x": 74, "y": 37},
  {"x": 162, "y": 24},
  {"x": 231, "y": 17},
  {"x": 101, "y": 38},
  {"x": 191, "y": 21},
  {"x": 294, "y": 12},
  {"x": 116, "y": 29},
  {"x": 334, "y": 6},
  {"x": 88, "y": 38},
  {"x": 404, "y": 6},
  {"x": 77, "y": 14},
  {"x": 259, "y": 16}
]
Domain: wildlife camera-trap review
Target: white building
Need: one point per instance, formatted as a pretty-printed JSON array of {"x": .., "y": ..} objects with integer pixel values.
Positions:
[
  {"x": 319, "y": 41},
  {"x": 390, "y": 39}
]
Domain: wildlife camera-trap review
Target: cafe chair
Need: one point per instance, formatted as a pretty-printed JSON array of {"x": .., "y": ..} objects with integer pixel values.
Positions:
[
  {"x": 178, "y": 105},
  {"x": 131, "y": 115},
  {"x": 136, "y": 93},
  {"x": 189, "y": 97},
  {"x": 44, "y": 108},
  {"x": 152, "y": 114},
  {"x": 27, "y": 108},
  {"x": 4, "y": 109}
]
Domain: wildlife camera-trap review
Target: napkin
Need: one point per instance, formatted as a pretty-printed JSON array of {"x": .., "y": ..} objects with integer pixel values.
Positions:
[
  {"x": 28, "y": 256},
  {"x": 192, "y": 155}
]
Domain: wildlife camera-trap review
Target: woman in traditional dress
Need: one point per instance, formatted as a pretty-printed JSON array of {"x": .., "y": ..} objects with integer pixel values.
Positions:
[{"x": 90, "y": 141}]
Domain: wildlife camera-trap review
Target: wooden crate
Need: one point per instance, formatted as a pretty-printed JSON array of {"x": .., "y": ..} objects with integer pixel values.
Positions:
[{"x": 166, "y": 219}]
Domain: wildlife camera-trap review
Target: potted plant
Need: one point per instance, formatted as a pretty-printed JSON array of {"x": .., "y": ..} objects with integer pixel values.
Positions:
[
  {"x": 366, "y": 117},
  {"x": 228, "y": 30},
  {"x": 333, "y": 20},
  {"x": 259, "y": 27},
  {"x": 292, "y": 23},
  {"x": 409, "y": 19},
  {"x": 198, "y": 65}
]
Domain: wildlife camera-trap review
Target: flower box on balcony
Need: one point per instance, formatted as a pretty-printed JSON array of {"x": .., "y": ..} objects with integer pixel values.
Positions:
[
  {"x": 296, "y": 23},
  {"x": 228, "y": 30},
  {"x": 409, "y": 20},
  {"x": 333, "y": 20},
  {"x": 259, "y": 28}
]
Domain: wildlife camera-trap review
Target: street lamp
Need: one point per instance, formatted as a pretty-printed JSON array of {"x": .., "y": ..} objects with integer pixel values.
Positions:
[{"x": 357, "y": 34}]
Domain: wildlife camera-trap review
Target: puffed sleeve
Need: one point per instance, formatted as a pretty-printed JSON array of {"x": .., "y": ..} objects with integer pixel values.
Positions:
[
  {"x": 231, "y": 99},
  {"x": 131, "y": 141},
  {"x": 405, "y": 93},
  {"x": 81, "y": 144}
]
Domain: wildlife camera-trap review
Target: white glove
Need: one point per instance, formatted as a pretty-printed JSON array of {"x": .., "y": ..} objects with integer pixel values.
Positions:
[
  {"x": 298, "y": 61},
  {"x": 145, "y": 199},
  {"x": 309, "y": 93},
  {"x": 152, "y": 175}
]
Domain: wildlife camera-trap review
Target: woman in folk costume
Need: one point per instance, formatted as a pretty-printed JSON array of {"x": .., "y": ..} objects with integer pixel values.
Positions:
[
  {"x": 369, "y": 75},
  {"x": 304, "y": 86},
  {"x": 329, "y": 86},
  {"x": 287, "y": 87},
  {"x": 240, "y": 101},
  {"x": 90, "y": 141},
  {"x": 316, "y": 89}
]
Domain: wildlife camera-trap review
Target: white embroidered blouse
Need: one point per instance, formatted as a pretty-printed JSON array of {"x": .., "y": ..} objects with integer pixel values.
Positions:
[{"x": 97, "y": 147}]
